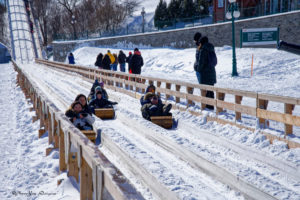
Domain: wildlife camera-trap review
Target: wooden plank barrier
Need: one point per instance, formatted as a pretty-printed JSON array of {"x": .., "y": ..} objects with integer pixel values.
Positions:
[
  {"x": 105, "y": 113},
  {"x": 260, "y": 110},
  {"x": 84, "y": 159},
  {"x": 164, "y": 121}
]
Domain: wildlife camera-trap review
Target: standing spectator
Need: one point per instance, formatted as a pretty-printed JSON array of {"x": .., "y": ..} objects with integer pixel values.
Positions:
[
  {"x": 204, "y": 68},
  {"x": 115, "y": 64},
  {"x": 197, "y": 38},
  {"x": 136, "y": 62},
  {"x": 98, "y": 62},
  {"x": 106, "y": 62},
  {"x": 122, "y": 60},
  {"x": 71, "y": 59},
  {"x": 112, "y": 59},
  {"x": 128, "y": 61}
]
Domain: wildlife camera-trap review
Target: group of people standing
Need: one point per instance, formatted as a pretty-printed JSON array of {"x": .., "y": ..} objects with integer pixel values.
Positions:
[{"x": 110, "y": 61}]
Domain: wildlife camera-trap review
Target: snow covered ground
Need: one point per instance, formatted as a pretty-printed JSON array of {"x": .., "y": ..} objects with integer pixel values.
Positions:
[{"x": 246, "y": 154}]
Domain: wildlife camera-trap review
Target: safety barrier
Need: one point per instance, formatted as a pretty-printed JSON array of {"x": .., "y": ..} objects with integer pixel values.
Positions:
[
  {"x": 84, "y": 159},
  {"x": 134, "y": 85}
]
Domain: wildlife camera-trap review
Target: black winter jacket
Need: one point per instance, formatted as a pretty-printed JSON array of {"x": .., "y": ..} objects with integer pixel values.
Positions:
[
  {"x": 136, "y": 63},
  {"x": 122, "y": 58},
  {"x": 208, "y": 74},
  {"x": 106, "y": 62}
]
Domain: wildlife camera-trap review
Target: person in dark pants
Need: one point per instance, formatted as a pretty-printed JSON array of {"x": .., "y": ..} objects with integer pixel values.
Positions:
[
  {"x": 122, "y": 60},
  {"x": 136, "y": 62},
  {"x": 71, "y": 59},
  {"x": 206, "y": 73},
  {"x": 98, "y": 62}
]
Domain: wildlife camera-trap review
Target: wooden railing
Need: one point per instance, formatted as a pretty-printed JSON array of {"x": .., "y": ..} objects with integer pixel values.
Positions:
[
  {"x": 95, "y": 170},
  {"x": 187, "y": 93}
]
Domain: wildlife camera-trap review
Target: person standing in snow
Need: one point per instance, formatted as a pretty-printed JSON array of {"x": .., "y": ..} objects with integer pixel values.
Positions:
[
  {"x": 106, "y": 62},
  {"x": 98, "y": 62},
  {"x": 122, "y": 60},
  {"x": 128, "y": 61},
  {"x": 136, "y": 62},
  {"x": 112, "y": 59},
  {"x": 206, "y": 74},
  {"x": 71, "y": 59},
  {"x": 115, "y": 64}
]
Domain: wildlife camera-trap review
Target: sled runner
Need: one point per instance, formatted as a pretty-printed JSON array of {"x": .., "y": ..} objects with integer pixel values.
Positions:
[
  {"x": 105, "y": 113},
  {"x": 90, "y": 134},
  {"x": 163, "y": 121}
]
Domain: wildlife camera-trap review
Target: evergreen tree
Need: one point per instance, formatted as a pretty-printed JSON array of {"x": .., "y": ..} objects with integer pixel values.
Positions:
[
  {"x": 201, "y": 7},
  {"x": 161, "y": 16},
  {"x": 188, "y": 8},
  {"x": 174, "y": 9}
]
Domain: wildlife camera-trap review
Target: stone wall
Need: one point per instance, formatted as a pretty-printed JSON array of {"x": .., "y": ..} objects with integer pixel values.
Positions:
[{"x": 218, "y": 34}]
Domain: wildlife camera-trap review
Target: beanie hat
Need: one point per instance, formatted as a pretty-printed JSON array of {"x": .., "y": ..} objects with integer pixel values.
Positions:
[
  {"x": 130, "y": 53},
  {"x": 136, "y": 49},
  {"x": 101, "y": 84},
  {"x": 98, "y": 88},
  {"x": 197, "y": 36},
  {"x": 204, "y": 40},
  {"x": 98, "y": 92},
  {"x": 75, "y": 103}
]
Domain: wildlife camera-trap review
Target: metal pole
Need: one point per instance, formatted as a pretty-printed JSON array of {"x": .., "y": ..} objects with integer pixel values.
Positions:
[{"x": 234, "y": 70}]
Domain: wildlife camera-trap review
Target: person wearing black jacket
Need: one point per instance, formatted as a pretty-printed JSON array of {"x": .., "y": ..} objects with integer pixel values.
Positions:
[
  {"x": 122, "y": 60},
  {"x": 136, "y": 62},
  {"x": 106, "y": 62},
  {"x": 98, "y": 62},
  {"x": 100, "y": 102}
]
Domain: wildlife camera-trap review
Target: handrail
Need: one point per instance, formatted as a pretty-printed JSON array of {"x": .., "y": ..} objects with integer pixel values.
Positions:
[
  {"x": 129, "y": 83},
  {"x": 96, "y": 171}
]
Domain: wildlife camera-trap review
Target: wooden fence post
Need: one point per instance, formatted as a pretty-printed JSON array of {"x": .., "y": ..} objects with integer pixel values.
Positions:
[
  {"x": 86, "y": 181},
  {"x": 97, "y": 182},
  {"x": 50, "y": 136},
  {"x": 178, "y": 89},
  {"x": 189, "y": 90},
  {"x": 143, "y": 82},
  {"x": 168, "y": 86},
  {"x": 62, "y": 159},
  {"x": 203, "y": 94},
  {"x": 220, "y": 96},
  {"x": 158, "y": 85},
  {"x": 262, "y": 104},
  {"x": 238, "y": 115},
  {"x": 73, "y": 169},
  {"x": 288, "y": 109}
]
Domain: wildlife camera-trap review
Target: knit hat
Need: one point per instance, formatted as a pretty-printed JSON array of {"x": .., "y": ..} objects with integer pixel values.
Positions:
[
  {"x": 98, "y": 88},
  {"x": 130, "y": 53},
  {"x": 98, "y": 92},
  {"x": 197, "y": 36},
  {"x": 204, "y": 40},
  {"x": 75, "y": 103},
  {"x": 101, "y": 84},
  {"x": 136, "y": 49}
]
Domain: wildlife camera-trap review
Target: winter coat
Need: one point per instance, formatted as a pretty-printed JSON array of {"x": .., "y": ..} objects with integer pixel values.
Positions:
[
  {"x": 208, "y": 74},
  {"x": 106, "y": 62},
  {"x": 150, "y": 110},
  {"x": 98, "y": 62},
  {"x": 116, "y": 59},
  {"x": 121, "y": 58},
  {"x": 71, "y": 60},
  {"x": 111, "y": 57},
  {"x": 101, "y": 103},
  {"x": 84, "y": 123},
  {"x": 136, "y": 63}
]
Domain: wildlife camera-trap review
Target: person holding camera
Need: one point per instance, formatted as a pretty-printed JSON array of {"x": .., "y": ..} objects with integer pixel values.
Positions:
[{"x": 80, "y": 119}]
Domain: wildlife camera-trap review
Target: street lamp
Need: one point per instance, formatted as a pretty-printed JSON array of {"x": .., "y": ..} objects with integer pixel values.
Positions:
[
  {"x": 233, "y": 13},
  {"x": 143, "y": 22},
  {"x": 73, "y": 21}
]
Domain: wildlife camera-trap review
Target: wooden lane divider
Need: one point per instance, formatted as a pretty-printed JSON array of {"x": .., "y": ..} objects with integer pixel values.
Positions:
[
  {"x": 176, "y": 89},
  {"x": 94, "y": 170}
]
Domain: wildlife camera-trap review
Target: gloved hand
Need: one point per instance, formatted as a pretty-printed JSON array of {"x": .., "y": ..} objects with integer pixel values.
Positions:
[{"x": 114, "y": 103}]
